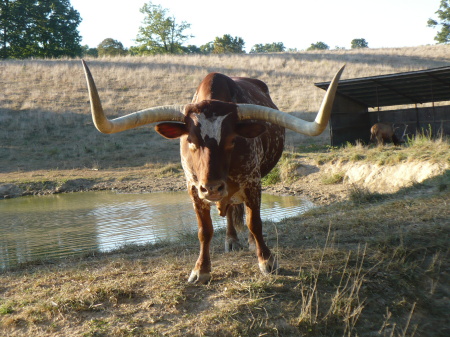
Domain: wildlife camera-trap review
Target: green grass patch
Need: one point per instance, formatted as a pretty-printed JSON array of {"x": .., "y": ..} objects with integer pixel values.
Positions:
[
  {"x": 272, "y": 178},
  {"x": 335, "y": 178},
  {"x": 419, "y": 148},
  {"x": 6, "y": 308}
]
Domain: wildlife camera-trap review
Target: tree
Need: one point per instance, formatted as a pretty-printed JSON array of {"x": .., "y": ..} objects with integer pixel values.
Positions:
[
  {"x": 111, "y": 47},
  {"x": 443, "y": 13},
  {"x": 359, "y": 43},
  {"x": 318, "y": 46},
  {"x": 87, "y": 51},
  {"x": 192, "y": 49},
  {"x": 228, "y": 45},
  {"x": 274, "y": 47},
  {"x": 207, "y": 48},
  {"x": 160, "y": 33},
  {"x": 39, "y": 28}
]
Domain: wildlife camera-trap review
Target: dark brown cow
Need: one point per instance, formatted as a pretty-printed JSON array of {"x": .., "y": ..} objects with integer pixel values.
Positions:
[
  {"x": 231, "y": 136},
  {"x": 383, "y": 132}
]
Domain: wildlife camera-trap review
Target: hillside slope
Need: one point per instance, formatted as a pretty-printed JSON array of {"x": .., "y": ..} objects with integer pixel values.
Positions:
[{"x": 44, "y": 106}]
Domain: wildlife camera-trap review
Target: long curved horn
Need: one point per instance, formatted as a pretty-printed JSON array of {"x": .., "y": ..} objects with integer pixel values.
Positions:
[
  {"x": 252, "y": 111},
  {"x": 133, "y": 120}
]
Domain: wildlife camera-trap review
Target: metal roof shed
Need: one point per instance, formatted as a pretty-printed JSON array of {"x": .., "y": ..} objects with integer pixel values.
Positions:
[{"x": 351, "y": 119}]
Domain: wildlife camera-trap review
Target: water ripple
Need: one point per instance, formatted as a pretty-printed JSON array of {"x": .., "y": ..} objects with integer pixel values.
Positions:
[{"x": 65, "y": 224}]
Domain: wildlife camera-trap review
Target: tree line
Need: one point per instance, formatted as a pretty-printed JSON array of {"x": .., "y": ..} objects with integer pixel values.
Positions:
[
  {"x": 162, "y": 34},
  {"x": 49, "y": 28}
]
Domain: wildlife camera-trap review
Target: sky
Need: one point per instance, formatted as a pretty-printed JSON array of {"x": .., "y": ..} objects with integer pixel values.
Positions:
[{"x": 296, "y": 23}]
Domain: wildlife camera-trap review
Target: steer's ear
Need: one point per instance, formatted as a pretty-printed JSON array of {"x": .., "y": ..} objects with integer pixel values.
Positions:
[
  {"x": 250, "y": 130},
  {"x": 171, "y": 130}
]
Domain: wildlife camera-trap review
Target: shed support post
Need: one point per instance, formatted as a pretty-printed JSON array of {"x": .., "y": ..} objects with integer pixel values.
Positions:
[{"x": 417, "y": 118}]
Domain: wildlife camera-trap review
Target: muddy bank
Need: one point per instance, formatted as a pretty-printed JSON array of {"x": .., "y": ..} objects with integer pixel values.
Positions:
[
  {"x": 311, "y": 182},
  {"x": 131, "y": 185}
]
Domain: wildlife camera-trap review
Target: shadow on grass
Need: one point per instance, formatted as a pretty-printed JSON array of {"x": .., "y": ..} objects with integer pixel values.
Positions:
[{"x": 41, "y": 140}]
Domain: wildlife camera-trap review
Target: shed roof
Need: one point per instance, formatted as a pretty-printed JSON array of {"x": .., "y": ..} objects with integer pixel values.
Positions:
[{"x": 423, "y": 86}]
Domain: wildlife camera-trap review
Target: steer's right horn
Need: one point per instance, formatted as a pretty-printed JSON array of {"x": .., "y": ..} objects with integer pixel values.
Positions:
[
  {"x": 130, "y": 121},
  {"x": 315, "y": 128}
]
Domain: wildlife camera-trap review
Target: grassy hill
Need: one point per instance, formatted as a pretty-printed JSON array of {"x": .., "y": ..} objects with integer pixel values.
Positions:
[{"x": 44, "y": 109}]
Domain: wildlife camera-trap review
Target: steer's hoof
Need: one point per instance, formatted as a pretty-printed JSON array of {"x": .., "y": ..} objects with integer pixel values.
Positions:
[
  {"x": 269, "y": 266},
  {"x": 232, "y": 245},
  {"x": 199, "y": 278}
]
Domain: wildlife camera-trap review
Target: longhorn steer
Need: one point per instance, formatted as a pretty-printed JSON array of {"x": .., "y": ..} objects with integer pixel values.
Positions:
[
  {"x": 231, "y": 136},
  {"x": 383, "y": 132}
]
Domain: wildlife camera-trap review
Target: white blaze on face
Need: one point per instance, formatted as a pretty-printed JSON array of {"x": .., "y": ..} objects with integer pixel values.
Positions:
[{"x": 211, "y": 127}]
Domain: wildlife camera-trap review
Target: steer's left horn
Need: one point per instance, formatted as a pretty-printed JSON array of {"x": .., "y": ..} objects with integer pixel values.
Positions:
[
  {"x": 133, "y": 120},
  {"x": 252, "y": 111}
]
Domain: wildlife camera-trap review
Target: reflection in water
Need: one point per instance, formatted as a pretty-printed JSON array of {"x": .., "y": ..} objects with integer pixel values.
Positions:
[{"x": 53, "y": 226}]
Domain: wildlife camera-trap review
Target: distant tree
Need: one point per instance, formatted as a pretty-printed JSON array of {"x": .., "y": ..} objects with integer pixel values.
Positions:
[
  {"x": 207, "y": 48},
  {"x": 134, "y": 50},
  {"x": 87, "y": 51},
  {"x": 192, "y": 49},
  {"x": 273, "y": 47},
  {"x": 228, "y": 45},
  {"x": 160, "y": 33},
  {"x": 39, "y": 28},
  {"x": 443, "y": 13},
  {"x": 111, "y": 47},
  {"x": 318, "y": 46},
  {"x": 359, "y": 43}
]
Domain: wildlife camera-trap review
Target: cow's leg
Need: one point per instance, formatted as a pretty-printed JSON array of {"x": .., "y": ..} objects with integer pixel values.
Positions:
[
  {"x": 267, "y": 261},
  {"x": 202, "y": 270},
  {"x": 235, "y": 220},
  {"x": 380, "y": 140}
]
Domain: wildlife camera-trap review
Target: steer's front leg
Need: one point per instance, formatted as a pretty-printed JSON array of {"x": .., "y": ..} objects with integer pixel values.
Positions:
[{"x": 202, "y": 270}]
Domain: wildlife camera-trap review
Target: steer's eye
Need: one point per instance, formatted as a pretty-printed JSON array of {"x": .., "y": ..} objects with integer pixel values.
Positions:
[{"x": 229, "y": 145}]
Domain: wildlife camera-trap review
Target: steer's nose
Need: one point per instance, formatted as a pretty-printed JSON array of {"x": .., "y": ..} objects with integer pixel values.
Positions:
[{"x": 213, "y": 190}]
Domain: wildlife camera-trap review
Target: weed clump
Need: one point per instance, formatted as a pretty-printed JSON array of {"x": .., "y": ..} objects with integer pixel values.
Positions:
[
  {"x": 335, "y": 178},
  {"x": 361, "y": 195}
]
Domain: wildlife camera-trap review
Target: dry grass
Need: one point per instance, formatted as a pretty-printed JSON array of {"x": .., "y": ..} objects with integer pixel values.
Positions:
[
  {"x": 343, "y": 272},
  {"x": 131, "y": 83},
  {"x": 44, "y": 109}
]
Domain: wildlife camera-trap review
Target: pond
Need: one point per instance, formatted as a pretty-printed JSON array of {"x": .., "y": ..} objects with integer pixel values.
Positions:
[{"x": 48, "y": 227}]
